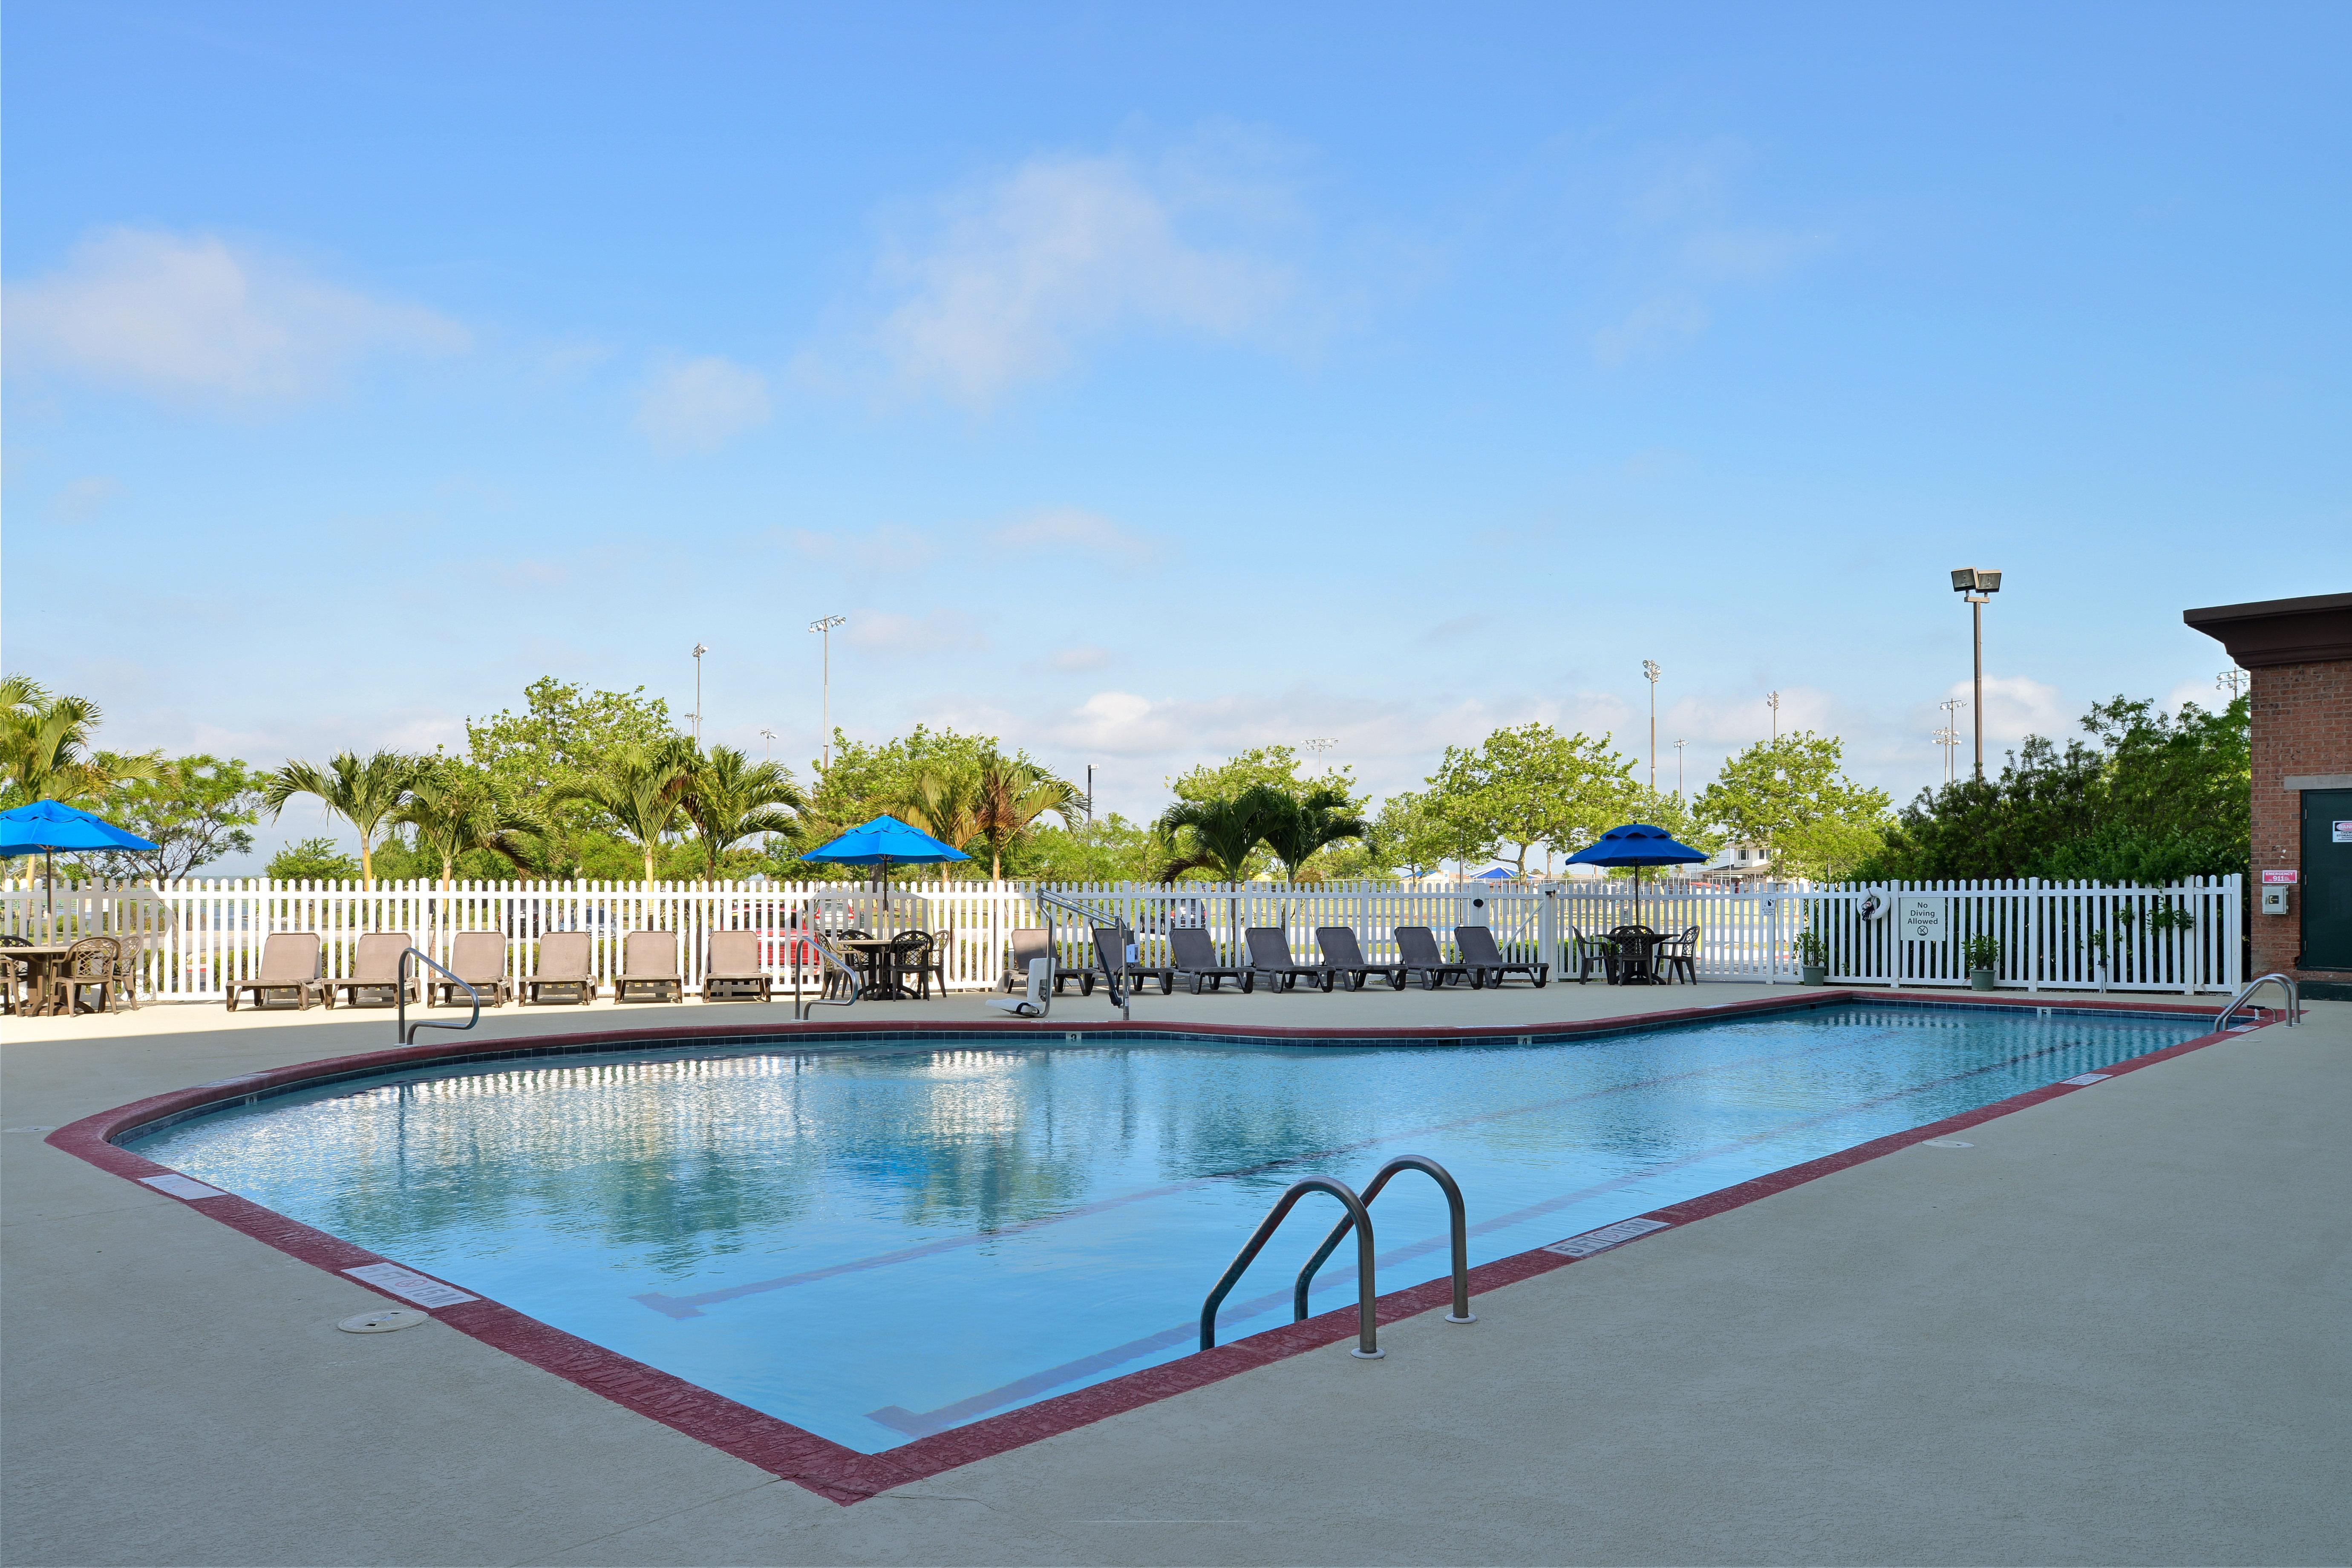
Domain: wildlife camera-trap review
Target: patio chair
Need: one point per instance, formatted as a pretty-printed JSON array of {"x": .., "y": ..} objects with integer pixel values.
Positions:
[
  {"x": 376, "y": 966},
  {"x": 910, "y": 962},
  {"x": 650, "y": 963},
  {"x": 16, "y": 975},
  {"x": 1590, "y": 952},
  {"x": 88, "y": 965},
  {"x": 290, "y": 961},
  {"x": 480, "y": 959},
  {"x": 1479, "y": 951},
  {"x": 1037, "y": 1001},
  {"x": 567, "y": 960},
  {"x": 1110, "y": 947},
  {"x": 932, "y": 963},
  {"x": 1417, "y": 953},
  {"x": 1344, "y": 957},
  {"x": 1269, "y": 950},
  {"x": 1680, "y": 956},
  {"x": 1196, "y": 959},
  {"x": 1634, "y": 956},
  {"x": 732, "y": 968}
]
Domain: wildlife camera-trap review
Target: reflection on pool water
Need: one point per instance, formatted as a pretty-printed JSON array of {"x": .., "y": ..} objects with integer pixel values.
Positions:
[{"x": 879, "y": 1242}]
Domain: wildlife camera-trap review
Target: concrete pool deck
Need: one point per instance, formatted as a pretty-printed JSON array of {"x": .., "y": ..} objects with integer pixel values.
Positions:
[{"x": 2110, "y": 1331}]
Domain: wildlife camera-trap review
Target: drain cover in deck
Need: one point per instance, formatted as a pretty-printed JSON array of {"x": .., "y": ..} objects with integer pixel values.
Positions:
[{"x": 383, "y": 1320}]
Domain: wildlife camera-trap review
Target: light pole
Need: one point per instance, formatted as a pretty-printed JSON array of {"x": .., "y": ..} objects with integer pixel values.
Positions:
[
  {"x": 1650, "y": 668},
  {"x": 1949, "y": 737},
  {"x": 1678, "y": 770},
  {"x": 1772, "y": 701},
  {"x": 1321, "y": 745},
  {"x": 698, "y": 651},
  {"x": 769, "y": 736},
  {"x": 1978, "y": 585},
  {"x": 1090, "y": 797},
  {"x": 823, "y": 627},
  {"x": 2232, "y": 680}
]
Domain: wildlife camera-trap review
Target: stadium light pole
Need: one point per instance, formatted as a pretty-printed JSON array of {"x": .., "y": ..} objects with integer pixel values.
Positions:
[
  {"x": 769, "y": 736},
  {"x": 698, "y": 651},
  {"x": 823, "y": 626},
  {"x": 1978, "y": 585},
  {"x": 1650, "y": 670},
  {"x": 1678, "y": 769},
  {"x": 1772, "y": 701}
]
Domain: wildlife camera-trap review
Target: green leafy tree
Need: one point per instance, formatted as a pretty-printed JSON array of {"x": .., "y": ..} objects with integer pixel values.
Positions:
[
  {"x": 1109, "y": 850},
  {"x": 313, "y": 860},
  {"x": 1528, "y": 785},
  {"x": 1273, "y": 767},
  {"x": 194, "y": 810},
  {"x": 364, "y": 791},
  {"x": 456, "y": 808},
  {"x": 1415, "y": 837},
  {"x": 1791, "y": 796},
  {"x": 1299, "y": 829},
  {"x": 728, "y": 798},
  {"x": 565, "y": 734},
  {"x": 637, "y": 791}
]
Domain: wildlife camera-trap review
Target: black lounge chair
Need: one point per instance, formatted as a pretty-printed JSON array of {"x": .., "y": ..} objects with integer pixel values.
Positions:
[
  {"x": 1196, "y": 959},
  {"x": 1417, "y": 951},
  {"x": 1479, "y": 951},
  {"x": 1110, "y": 945},
  {"x": 1037, "y": 941},
  {"x": 1269, "y": 950},
  {"x": 1343, "y": 956}
]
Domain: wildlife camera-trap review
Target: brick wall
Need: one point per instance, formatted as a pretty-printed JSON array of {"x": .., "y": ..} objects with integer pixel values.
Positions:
[{"x": 2302, "y": 725}]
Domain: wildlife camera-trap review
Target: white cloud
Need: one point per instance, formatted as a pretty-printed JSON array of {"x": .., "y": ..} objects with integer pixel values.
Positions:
[
  {"x": 1655, "y": 326},
  {"x": 197, "y": 322},
  {"x": 2016, "y": 706},
  {"x": 700, "y": 404},
  {"x": 909, "y": 636},
  {"x": 1019, "y": 275},
  {"x": 1070, "y": 528},
  {"x": 86, "y": 497}
]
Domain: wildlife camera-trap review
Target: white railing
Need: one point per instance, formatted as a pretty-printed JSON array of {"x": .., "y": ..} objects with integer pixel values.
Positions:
[{"x": 195, "y": 937}]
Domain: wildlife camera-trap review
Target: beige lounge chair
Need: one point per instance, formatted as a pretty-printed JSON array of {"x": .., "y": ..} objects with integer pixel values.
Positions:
[
  {"x": 376, "y": 966},
  {"x": 567, "y": 960},
  {"x": 733, "y": 968},
  {"x": 649, "y": 961},
  {"x": 290, "y": 961},
  {"x": 480, "y": 959}
]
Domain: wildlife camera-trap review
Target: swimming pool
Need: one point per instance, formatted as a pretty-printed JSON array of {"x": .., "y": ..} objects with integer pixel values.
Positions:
[{"x": 882, "y": 1242}]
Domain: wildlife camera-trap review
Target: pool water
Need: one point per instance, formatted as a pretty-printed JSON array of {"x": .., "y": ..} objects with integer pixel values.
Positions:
[{"x": 880, "y": 1242}]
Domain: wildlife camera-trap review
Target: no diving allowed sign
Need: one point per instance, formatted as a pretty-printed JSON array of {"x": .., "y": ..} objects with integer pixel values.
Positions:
[{"x": 1921, "y": 920}]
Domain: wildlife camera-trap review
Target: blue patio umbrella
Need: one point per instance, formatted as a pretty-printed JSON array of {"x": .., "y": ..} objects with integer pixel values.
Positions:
[
  {"x": 47, "y": 825},
  {"x": 1637, "y": 844},
  {"x": 881, "y": 841}
]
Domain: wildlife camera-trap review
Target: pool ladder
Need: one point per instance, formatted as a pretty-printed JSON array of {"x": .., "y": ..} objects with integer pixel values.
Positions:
[
  {"x": 2287, "y": 983},
  {"x": 1359, "y": 1219}
]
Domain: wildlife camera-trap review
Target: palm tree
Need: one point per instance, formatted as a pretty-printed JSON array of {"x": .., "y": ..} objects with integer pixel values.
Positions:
[
  {"x": 944, "y": 803},
  {"x": 1224, "y": 833},
  {"x": 1008, "y": 797},
  {"x": 45, "y": 748},
  {"x": 455, "y": 808},
  {"x": 728, "y": 798},
  {"x": 1303, "y": 827},
  {"x": 641, "y": 788},
  {"x": 364, "y": 791}
]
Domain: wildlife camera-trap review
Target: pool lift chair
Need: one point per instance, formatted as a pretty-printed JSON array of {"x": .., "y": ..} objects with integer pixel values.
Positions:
[
  {"x": 1037, "y": 1001},
  {"x": 1110, "y": 938}
]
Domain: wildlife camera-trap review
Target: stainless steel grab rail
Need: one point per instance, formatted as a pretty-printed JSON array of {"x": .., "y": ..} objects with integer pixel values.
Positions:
[
  {"x": 406, "y": 1030},
  {"x": 2286, "y": 982},
  {"x": 1115, "y": 979},
  {"x": 1368, "y": 1342},
  {"x": 1457, "y": 1215},
  {"x": 824, "y": 955}
]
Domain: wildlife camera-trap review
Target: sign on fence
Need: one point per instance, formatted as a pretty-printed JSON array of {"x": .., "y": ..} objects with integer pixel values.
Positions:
[{"x": 1922, "y": 920}]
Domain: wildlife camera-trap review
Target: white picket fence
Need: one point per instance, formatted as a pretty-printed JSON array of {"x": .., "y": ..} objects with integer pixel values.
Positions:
[{"x": 195, "y": 937}]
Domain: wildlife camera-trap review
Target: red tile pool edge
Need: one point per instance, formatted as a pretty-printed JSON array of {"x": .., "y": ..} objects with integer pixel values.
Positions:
[{"x": 846, "y": 1476}]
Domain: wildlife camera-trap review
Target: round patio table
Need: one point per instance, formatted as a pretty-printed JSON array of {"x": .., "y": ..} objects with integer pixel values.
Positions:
[{"x": 876, "y": 957}]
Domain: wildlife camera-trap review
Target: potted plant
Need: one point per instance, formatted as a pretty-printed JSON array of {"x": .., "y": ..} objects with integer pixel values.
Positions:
[
  {"x": 1812, "y": 958},
  {"x": 1983, "y": 955}
]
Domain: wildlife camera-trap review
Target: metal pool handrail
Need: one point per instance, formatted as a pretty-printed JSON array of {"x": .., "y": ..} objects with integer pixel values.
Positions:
[
  {"x": 406, "y": 1030},
  {"x": 1115, "y": 979},
  {"x": 824, "y": 955},
  {"x": 2286, "y": 982},
  {"x": 1367, "y": 1344},
  {"x": 1458, "y": 1218}
]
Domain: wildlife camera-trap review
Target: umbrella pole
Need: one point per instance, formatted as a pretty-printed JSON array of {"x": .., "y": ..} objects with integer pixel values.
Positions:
[{"x": 49, "y": 889}]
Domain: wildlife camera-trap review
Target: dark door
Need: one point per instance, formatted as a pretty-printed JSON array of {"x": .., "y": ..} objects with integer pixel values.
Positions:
[{"x": 2326, "y": 887}]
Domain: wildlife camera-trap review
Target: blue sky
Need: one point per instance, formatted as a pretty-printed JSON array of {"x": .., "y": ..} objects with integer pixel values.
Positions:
[{"x": 1145, "y": 386}]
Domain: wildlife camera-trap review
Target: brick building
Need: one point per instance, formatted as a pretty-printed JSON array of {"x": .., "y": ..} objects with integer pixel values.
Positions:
[{"x": 2298, "y": 653}]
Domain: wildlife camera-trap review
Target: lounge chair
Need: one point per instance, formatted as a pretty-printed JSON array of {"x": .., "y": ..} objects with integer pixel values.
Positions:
[
  {"x": 1479, "y": 951},
  {"x": 1196, "y": 959},
  {"x": 1344, "y": 957},
  {"x": 290, "y": 961},
  {"x": 567, "y": 960},
  {"x": 1417, "y": 954},
  {"x": 733, "y": 968},
  {"x": 650, "y": 963},
  {"x": 1110, "y": 946},
  {"x": 1039, "y": 999},
  {"x": 376, "y": 966},
  {"x": 1269, "y": 950},
  {"x": 480, "y": 959}
]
